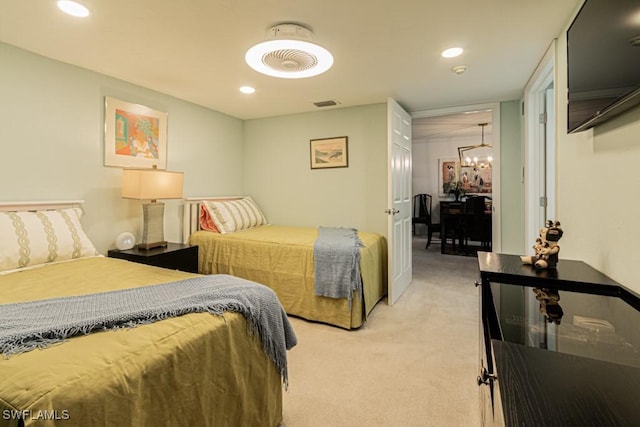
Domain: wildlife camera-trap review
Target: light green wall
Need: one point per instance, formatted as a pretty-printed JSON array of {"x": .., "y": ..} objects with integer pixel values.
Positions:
[
  {"x": 511, "y": 185},
  {"x": 598, "y": 189},
  {"x": 51, "y": 137},
  {"x": 51, "y": 143},
  {"x": 277, "y": 169}
]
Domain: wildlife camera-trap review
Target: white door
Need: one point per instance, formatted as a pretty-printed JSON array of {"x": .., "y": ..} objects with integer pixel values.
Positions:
[{"x": 399, "y": 199}]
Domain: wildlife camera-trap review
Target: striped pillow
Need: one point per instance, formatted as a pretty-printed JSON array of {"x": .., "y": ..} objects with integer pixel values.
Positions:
[
  {"x": 37, "y": 237},
  {"x": 235, "y": 215}
]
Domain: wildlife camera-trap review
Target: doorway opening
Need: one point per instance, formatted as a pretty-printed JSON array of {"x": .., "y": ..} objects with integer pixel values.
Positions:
[{"x": 437, "y": 135}]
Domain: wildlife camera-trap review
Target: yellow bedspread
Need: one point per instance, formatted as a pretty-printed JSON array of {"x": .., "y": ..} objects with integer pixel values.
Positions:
[
  {"x": 193, "y": 370},
  {"x": 282, "y": 259}
]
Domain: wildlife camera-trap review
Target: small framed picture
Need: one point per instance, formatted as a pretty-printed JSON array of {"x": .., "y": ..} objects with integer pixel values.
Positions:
[
  {"x": 329, "y": 153},
  {"x": 135, "y": 136},
  {"x": 448, "y": 175}
]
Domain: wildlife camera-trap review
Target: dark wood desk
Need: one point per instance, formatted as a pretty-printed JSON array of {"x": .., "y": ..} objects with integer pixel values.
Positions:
[
  {"x": 460, "y": 223},
  {"x": 582, "y": 370}
]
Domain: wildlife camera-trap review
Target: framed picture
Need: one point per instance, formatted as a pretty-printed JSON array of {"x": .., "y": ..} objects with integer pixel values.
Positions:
[
  {"x": 447, "y": 175},
  {"x": 134, "y": 135},
  {"x": 476, "y": 179},
  {"x": 329, "y": 153},
  {"x": 472, "y": 179}
]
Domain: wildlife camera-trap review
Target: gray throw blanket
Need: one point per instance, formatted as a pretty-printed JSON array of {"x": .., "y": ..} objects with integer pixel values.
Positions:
[
  {"x": 39, "y": 324},
  {"x": 336, "y": 255}
]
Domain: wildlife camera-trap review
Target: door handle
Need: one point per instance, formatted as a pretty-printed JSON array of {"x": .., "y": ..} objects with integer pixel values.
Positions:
[{"x": 391, "y": 211}]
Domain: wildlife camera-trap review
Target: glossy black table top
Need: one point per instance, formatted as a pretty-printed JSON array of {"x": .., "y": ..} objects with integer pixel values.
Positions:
[
  {"x": 573, "y": 309},
  {"x": 566, "y": 343},
  {"x": 570, "y": 275},
  {"x": 595, "y": 326}
]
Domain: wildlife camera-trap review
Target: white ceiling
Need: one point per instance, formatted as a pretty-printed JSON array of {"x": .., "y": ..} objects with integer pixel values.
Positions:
[
  {"x": 194, "y": 49},
  {"x": 453, "y": 127}
]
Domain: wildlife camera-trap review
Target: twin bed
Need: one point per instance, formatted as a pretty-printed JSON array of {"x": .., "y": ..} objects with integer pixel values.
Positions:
[
  {"x": 282, "y": 258},
  {"x": 201, "y": 368},
  {"x": 197, "y": 369}
]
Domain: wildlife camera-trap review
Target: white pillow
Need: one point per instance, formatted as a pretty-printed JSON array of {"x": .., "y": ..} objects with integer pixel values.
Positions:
[
  {"x": 38, "y": 237},
  {"x": 235, "y": 215}
]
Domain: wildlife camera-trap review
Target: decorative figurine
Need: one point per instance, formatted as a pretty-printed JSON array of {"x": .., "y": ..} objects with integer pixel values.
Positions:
[
  {"x": 549, "y": 306},
  {"x": 546, "y": 247}
]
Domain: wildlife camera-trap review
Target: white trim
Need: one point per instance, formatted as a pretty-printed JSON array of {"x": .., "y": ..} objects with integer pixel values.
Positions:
[
  {"x": 191, "y": 213},
  {"x": 495, "y": 141},
  {"x": 534, "y": 103},
  {"x": 213, "y": 198},
  {"x": 38, "y": 205},
  {"x": 455, "y": 110}
]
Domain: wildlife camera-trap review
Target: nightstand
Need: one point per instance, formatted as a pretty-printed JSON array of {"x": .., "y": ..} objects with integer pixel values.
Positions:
[{"x": 176, "y": 256}]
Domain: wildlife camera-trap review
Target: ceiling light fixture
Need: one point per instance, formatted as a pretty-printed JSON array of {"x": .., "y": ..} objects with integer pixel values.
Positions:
[
  {"x": 289, "y": 54},
  {"x": 73, "y": 8},
  {"x": 475, "y": 161},
  {"x": 247, "y": 89},
  {"x": 452, "y": 52}
]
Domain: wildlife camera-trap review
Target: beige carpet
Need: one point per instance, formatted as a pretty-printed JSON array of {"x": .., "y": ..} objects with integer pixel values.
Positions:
[{"x": 412, "y": 364}]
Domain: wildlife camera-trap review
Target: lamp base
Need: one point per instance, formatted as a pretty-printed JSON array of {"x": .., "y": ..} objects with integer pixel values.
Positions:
[{"x": 153, "y": 226}]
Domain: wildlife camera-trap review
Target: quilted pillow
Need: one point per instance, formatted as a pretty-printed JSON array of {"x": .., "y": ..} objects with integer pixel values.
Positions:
[
  {"x": 38, "y": 237},
  {"x": 235, "y": 215}
]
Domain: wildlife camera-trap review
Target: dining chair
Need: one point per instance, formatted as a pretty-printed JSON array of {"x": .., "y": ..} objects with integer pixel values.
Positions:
[
  {"x": 422, "y": 205},
  {"x": 477, "y": 225}
]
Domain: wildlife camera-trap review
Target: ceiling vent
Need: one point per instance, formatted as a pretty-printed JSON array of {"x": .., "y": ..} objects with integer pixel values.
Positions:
[
  {"x": 289, "y": 53},
  {"x": 329, "y": 103}
]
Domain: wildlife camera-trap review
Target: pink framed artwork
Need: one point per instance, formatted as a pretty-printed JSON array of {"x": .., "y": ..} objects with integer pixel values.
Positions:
[{"x": 135, "y": 135}]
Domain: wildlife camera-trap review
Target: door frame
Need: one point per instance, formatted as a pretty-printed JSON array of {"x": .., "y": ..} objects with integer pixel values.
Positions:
[
  {"x": 495, "y": 171},
  {"x": 534, "y": 146}
]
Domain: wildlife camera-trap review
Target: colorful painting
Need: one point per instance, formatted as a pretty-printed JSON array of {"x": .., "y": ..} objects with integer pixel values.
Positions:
[
  {"x": 475, "y": 179},
  {"x": 448, "y": 174},
  {"x": 329, "y": 153},
  {"x": 465, "y": 179},
  {"x": 135, "y": 135}
]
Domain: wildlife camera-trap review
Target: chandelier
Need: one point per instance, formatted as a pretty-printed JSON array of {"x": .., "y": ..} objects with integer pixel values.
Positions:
[{"x": 481, "y": 156}]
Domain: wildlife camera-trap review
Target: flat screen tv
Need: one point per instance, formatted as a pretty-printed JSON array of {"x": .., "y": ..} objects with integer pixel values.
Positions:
[{"x": 603, "y": 60}]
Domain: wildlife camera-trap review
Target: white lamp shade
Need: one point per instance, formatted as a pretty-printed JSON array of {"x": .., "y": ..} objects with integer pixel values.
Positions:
[{"x": 151, "y": 184}]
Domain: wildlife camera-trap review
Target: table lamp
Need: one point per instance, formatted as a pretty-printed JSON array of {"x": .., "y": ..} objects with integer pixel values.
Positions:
[{"x": 152, "y": 185}]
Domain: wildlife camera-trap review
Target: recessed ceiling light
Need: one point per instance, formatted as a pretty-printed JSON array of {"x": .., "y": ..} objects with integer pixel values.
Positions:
[
  {"x": 452, "y": 52},
  {"x": 73, "y": 8},
  {"x": 289, "y": 54},
  {"x": 247, "y": 89}
]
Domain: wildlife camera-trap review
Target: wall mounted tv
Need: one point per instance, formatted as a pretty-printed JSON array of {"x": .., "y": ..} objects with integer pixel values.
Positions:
[{"x": 603, "y": 61}]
